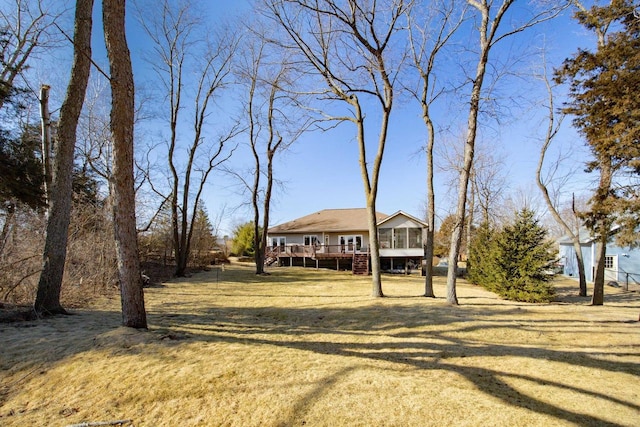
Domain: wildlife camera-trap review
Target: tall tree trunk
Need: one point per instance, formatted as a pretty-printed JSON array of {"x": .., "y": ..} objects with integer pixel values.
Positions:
[
  {"x": 431, "y": 201},
  {"x": 374, "y": 248},
  {"x": 487, "y": 31},
  {"x": 183, "y": 243},
  {"x": 463, "y": 185},
  {"x": 582, "y": 277},
  {"x": 603, "y": 226},
  {"x": 267, "y": 207},
  {"x": 55, "y": 249},
  {"x": 122, "y": 116},
  {"x": 551, "y": 132},
  {"x": 258, "y": 248},
  {"x": 470, "y": 215},
  {"x": 428, "y": 267},
  {"x": 371, "y": 188},
  {"x": 598, "y": 281}
]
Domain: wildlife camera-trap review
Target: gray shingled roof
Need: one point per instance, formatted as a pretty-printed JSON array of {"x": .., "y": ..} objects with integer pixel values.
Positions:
[{"x": 328, "y": 220}]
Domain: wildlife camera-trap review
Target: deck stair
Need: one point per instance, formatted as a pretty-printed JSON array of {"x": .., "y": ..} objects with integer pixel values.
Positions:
[
  {"x": 270, "y": 260},
  {"x": 272, "y": 255},
  {"x": 361, "y": 264}
]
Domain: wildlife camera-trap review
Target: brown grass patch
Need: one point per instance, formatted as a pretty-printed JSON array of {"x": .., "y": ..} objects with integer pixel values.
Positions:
[{"x": 307, "y": 347}]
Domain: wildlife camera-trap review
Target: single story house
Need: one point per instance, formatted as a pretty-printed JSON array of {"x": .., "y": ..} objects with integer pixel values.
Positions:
[
  {"x": 339, "y": 238},
  {"x": 622, "y": 265}
]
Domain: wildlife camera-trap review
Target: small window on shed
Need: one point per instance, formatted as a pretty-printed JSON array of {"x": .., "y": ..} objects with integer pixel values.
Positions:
[{"x": 608, "y": 261}]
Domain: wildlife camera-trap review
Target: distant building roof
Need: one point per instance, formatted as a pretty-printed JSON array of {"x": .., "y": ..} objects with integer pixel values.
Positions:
[
  {"x": 328, "y": 220},
  {"x": 585, "y": 236}
]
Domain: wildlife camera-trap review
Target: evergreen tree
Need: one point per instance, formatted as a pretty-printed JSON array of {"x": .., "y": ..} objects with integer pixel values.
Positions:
[
  {"x": 525, "y": 257},
  {"x": 515, "y": 261},
  {"x": 21, "y": 175},
  {"x": 479, "y": 264},
  {"x": 203, "y": 240},
  {"x": 606, "y": 107}
]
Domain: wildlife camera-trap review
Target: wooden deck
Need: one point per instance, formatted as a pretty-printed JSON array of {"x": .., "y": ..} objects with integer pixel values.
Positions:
[{"x": 357, "y": 259}]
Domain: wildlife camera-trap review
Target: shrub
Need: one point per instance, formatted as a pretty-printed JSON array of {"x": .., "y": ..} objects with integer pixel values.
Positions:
[{"x": 242, "y": 244}]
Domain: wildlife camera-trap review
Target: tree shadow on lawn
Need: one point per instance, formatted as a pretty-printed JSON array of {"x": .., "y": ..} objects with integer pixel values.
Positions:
[
  {"x": 567, "y": 293},
  {"x": 272, "y": 325},
  {"x": 425, "y": 335},
  {"x": 31, "y": 348},
  {"x": 246, "y": 275},
  {"x": 618, "y": 298}
]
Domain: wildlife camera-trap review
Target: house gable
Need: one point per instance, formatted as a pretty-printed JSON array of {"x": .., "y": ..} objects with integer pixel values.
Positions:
[
  {"x": 400, "y": 234},
  {"x": 401, "y": 219}
]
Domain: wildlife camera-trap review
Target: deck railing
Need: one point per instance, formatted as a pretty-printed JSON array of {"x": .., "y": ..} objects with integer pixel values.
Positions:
[{"x": 312, "y": 251}]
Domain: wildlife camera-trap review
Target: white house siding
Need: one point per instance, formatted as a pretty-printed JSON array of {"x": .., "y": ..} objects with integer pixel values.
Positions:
[
  {"x": 411, "y": 253},
  {"x": 334, "y": 238}
]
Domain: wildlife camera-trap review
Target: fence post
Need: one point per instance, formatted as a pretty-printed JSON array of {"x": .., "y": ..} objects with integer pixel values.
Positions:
[{"x": 626, "y": 282}]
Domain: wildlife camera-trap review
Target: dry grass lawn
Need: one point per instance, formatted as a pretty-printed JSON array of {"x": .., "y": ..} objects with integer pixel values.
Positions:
[{"x": 307, "y": 347}]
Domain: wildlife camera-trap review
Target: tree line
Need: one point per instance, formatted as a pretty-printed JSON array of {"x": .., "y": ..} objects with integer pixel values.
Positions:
[{"x": 298, "y": 66}]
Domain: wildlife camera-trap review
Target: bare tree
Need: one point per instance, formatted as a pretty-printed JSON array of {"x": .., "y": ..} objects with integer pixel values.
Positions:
[
  {"x": 95, "y": 143},
  {"x": 27, "y": 26},
  {"x": 488, "y": 184},
  {"x": 489, "y": 20},
  {"x": 55, "y": 249},
  {"x": 349, "y": 45},
  {"x": 181, "y": 53},
  {"x": 425, "y": 47},
  {"x": 122, "y": 184},
  {"x": 274, "y": 123},
  {"x": 553, "y": 126}
]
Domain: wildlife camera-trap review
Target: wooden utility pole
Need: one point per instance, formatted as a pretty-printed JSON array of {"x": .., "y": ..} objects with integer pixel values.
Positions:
[{"x": 46, "y": 140}]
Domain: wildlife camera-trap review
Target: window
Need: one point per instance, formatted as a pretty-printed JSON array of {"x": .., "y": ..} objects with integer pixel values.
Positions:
[
  {"x": 400, "y": 238},
  {"x": 278, "y": 241},
  {"x": 415, "y": 237},
  {"x": 385, "y": 237},
  {"x": 608, "y": 261},
  {"x": 311, "y": 240}
]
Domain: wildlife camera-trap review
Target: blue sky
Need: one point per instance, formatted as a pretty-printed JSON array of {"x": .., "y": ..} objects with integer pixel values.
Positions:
[{"x": 321, "y": 170}]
